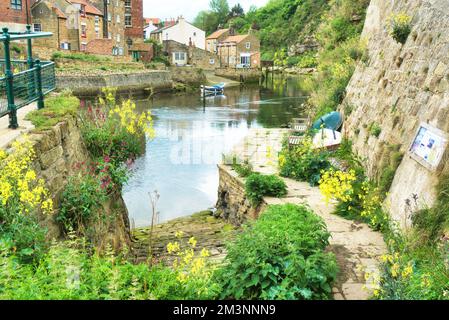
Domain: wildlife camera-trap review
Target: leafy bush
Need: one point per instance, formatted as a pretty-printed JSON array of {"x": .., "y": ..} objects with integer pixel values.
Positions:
[
  {"x": 375, "y": 130},
  {"x": 307, "y": 60},
  {"x": 81, "y": 198},
  {"x": 69, "y": 272},
  {"x": 400, "y": 27},
  {"x": 244, "y": 170},
  {"x": 115, "y": 131},
  {"x": 22, "y": 197},
  {"x": 280, "y": 257},
  {"x": 303, "y": 163},
  {"x": 257, "y": 186}
]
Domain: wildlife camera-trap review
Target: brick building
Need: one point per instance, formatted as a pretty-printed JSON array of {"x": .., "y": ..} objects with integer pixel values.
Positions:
[
  {"x": 239, "y": 51},
  {"x": 215, "y": 38},
  {"x": 74, "y": 23},
  {"x": 15, "y": 14},
  {"x": 180, "y": 54},
  {"x": 134, "y": 31},
  {"x": 113, "y": 24}
]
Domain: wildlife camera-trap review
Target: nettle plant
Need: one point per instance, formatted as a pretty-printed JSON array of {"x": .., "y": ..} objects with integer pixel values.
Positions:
[{"x": 400, "y": 25}]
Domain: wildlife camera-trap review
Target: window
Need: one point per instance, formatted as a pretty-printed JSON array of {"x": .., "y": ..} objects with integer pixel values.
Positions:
[
  {"x": 128, "y": 21},
  {"x": 117, "y": 3},
  {"x": 109, "y": 35},
  {"x": 83, "y": 46},
  {"x": 120, "y": 51},
  {"x": 37, "y": 27},
  {"x": 128, "y": 3},
  {"x": 117, "y": 19},
  {"x": 245, "y": 60},
  {"x": 16, "y": 4},
  {"x": 118, "y": 38},
  {"x": 83, "y": 31},
  {"x": 97, "y": 32},
  {"x": 109, "y": 16},
  {"x": 212, "y": 61},
  {"x": 97, "y": 20},
  {"x": 180, "y": 56},
  {"x": 65, "y": 46},
  {"x": 248, "y": 45}
]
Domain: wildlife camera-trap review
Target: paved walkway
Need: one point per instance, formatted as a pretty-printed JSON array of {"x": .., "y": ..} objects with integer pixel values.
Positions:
[
  {"x": 9, "y": 135},
  {"x": 355, "y": 245}
]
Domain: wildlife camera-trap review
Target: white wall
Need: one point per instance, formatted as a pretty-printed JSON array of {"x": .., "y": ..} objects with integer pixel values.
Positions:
[
  {"x": 148, "y": 30},
  {"x": 183, "y": 31}
]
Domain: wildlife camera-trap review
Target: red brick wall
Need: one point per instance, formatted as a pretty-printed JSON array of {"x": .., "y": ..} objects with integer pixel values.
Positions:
[
  {"x": 100, "y": 46},
  {"x": 9, "y": 15},
  {"x": 137, "y": 20}
]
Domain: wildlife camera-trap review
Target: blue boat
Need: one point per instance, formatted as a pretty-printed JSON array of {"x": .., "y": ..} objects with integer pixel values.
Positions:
[
  {"x": 213, "y": 90},
  {"x": 331, "y": 121}
]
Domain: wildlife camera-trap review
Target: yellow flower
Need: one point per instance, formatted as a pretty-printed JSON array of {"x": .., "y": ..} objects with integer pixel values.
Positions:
[{"x": 192, "y": 242}]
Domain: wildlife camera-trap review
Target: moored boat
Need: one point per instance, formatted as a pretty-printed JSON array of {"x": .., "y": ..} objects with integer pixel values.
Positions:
[{"x": 331, "y": 121}]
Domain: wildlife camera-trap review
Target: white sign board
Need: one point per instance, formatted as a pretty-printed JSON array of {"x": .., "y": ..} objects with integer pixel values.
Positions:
[{"x": 429, "y": 146}]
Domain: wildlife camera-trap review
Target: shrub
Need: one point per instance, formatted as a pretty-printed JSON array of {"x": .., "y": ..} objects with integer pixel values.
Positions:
[
  {"x": 115, "y": 131},
  {"x": 375, "y": 130},
  {"x": 257, "y": 186},
  {"x": 400, "y": 27},
  {"x": 80, "y": 56},
  {"x": 22, "y": 197},
  {"x": 244, "y": 170},
  {"x": 280, "y": 257},
  {"x": 303, "y": 163},
  {"x": 81, "y": 198},
  {"x": 69, "y": 272},
  {"x": 307, "y": 60}
]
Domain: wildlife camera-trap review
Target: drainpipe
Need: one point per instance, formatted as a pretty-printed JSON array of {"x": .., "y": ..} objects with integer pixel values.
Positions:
[{"x": 28, "y": 13}]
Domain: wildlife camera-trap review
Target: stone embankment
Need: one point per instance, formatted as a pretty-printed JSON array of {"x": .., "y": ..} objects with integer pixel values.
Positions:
[
  {"x": 210, "y": 232},
  {"x": 355, "y": 245},
  {"x": 151, "y": 81},
  {"x": 58, "y": 151}
]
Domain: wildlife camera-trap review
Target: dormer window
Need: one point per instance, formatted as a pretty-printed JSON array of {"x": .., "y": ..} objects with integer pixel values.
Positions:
[{"x": 248, "y": 45}]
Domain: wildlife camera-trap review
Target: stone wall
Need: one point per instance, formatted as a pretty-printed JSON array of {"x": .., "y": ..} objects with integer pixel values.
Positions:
[
  {"x": 57, "y": 152},
  {"x": 85, "y": 85},
  {"x": 232, "y": 204},
  {"x": 400, "y": 87},
  {"x": 188, "y": 75},
  {"x": 249, "y": 75}
]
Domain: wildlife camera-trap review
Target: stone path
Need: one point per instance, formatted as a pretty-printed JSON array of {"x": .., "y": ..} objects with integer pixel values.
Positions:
[
  {"x": 355, "y": 245},
  {"x": 211, "y": 233},
  {"x": 8, "y": 135}
]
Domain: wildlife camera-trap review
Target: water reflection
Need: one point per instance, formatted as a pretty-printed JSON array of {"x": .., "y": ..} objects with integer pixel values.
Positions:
[{"x": 181, "y": 162}]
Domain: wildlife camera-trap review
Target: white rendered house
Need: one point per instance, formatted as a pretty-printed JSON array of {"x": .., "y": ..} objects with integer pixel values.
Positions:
[{"x": 182, "y": 32}]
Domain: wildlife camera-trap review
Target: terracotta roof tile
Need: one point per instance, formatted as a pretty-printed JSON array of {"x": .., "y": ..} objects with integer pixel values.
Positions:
[
  {"x": 217, "y": 34},
  {"x": 89, "y": 7},
  {"x": 236, "y": 39}
]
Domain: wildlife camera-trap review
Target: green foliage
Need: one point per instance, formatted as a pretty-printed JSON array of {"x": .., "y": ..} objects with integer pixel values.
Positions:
[
  {"x": 69, "y": 272},
  {"x": 57, "y": 108},
  {"x": 79, "y": 56},
  {"x": 375, "y": 130},
  {"x": 244, "y": 170},
  {"x": 258, "y": 186},
  {"x": 338, "y": 35},
  {"x": 303, "y": 163},
  {"x": 388, "y": 170},
  {"x": 281, "y": 257},
  {"x": 82, "y": 197},
  {"x": 432, "y": 224},
  {"x": 401, "y": 27},
  {"x": 307, "y": 60}
]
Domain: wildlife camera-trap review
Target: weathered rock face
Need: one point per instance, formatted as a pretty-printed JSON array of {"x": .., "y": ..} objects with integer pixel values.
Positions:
[
  {"x": 57, "y": 152},
  {"x": 232, "y": 204},
  {"x": 309, "y": 44},
  {"x": 399, "y": 88}
]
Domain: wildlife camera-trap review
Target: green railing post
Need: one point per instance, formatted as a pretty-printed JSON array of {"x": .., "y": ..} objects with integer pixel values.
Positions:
[
  {"x": 9, "y": 82},
  {"x": 30, "y": 62},
  {"x": 40, "y": 99}
]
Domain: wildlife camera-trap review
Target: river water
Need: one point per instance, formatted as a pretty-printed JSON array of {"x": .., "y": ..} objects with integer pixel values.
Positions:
[{"x": 181, "y": 162}]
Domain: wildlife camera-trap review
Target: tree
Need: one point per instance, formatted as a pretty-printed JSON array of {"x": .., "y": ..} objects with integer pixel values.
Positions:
[
  {"x": 221, "y": 9},
  {"x": 236, "y": 11},
  {"x": 207, "y": 21}
]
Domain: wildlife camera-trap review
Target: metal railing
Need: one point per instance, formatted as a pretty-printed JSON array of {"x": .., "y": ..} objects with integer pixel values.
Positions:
[{"x": 23, "y": 81}]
